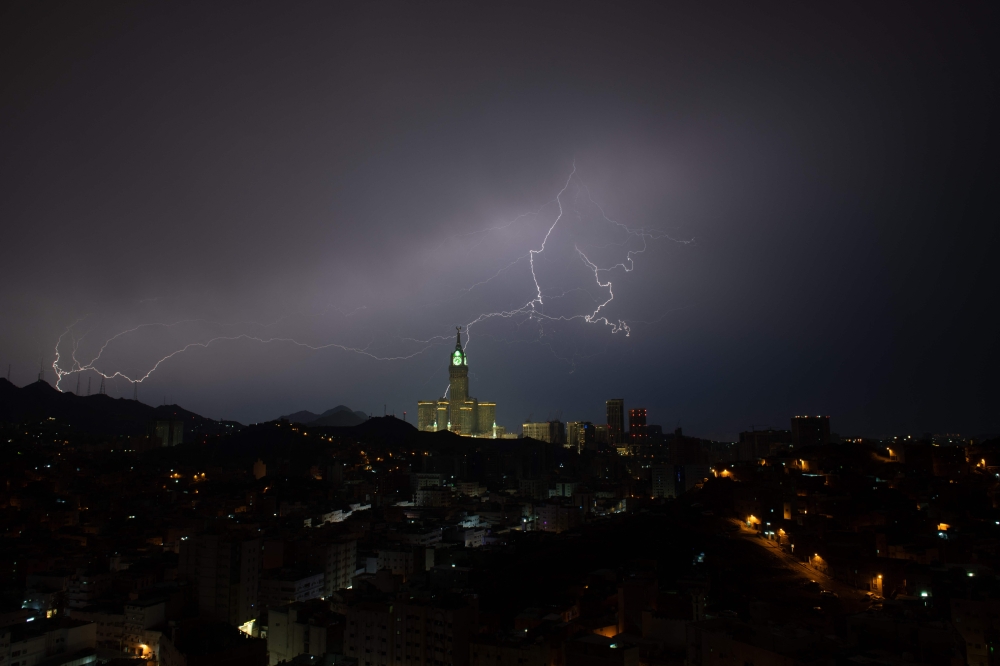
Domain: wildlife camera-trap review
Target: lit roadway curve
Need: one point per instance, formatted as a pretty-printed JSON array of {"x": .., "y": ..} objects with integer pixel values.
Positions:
[{"x": 853, "y": 600}]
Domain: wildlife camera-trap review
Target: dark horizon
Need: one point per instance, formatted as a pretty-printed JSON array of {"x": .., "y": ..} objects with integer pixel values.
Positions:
[{"x": 806, "y": 194}]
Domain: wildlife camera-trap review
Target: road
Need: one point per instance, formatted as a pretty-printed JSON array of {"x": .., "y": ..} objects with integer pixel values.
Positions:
[{"x": 852, "y": 599}]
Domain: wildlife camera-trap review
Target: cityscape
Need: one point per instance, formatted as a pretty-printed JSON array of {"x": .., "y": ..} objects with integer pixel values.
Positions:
[
  {"x": 499, "y": 334},
  {"x": 151, "y": 534}
]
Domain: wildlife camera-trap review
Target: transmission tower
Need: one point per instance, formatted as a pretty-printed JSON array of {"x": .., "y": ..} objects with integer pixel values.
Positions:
[{"x": 101, "y": 391}]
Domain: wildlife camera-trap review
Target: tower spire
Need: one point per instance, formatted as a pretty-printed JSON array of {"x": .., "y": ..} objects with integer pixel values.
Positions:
[{"x": 458, "y": 337}]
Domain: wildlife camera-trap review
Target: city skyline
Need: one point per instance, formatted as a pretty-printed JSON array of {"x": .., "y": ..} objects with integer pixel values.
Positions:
[
  {"x": 687, "y": 222},
  {"x": 499, "y": 334}
]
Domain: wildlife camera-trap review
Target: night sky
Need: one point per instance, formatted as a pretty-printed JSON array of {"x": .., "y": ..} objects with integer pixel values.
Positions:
[{"x": 805, "y": 197}]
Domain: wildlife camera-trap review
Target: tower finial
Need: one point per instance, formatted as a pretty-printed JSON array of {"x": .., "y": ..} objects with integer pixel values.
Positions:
[{"x": 458, "y": 337}]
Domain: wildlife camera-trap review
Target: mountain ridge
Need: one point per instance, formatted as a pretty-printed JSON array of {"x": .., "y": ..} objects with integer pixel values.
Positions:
[
  {"x": 93, "y": 414},
  {"x": 339, "y": 416}
]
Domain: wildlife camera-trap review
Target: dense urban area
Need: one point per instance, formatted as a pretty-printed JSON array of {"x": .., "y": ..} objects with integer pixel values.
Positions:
[{"x": 134, "y": 534}]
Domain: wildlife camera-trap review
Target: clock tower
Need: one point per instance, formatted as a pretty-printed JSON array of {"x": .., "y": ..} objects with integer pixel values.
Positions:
[
  {"x": 458, "y": 374},
  {"x": 456, "y": 411}
]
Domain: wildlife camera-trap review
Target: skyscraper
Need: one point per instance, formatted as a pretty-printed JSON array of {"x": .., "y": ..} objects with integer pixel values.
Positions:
[
  {"x": 579, "y": 434},
  {"x": 616, "y": 421},
  {"x": 457, "y": 412}
]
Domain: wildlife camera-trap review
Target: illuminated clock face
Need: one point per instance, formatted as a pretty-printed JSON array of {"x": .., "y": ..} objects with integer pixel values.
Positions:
[{"x": 456, "y": 358}]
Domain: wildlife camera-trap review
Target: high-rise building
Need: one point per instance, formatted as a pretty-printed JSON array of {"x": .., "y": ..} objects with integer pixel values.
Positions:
[
  {"x": 601, "y": 435},
  {"x": 616, "y": 421},
  {"x": 458, "y": 412},
  {"x": 810, "y": 430},
  {"x": 553, "y": 432},
  {"x": 662, "y": 480},
  {"x": 579, "y": 434},
  {"x": 637, "y": 433}
]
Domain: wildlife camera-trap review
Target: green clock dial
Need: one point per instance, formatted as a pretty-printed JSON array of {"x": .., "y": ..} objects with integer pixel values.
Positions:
[{"x": 456, "y": 358}]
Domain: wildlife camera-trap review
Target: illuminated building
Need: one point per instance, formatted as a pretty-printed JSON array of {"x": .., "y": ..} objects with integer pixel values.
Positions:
[
  {"x": 810, "y": 430},
  {"x": 140, "y": 615},
  {"x": 616, "y": 421},
  {"x": 458, "y": 412},
  {"x": 553, "y": 432},
  {"x": 579, "y": 434},
  {"x": 637, "y": 425}
]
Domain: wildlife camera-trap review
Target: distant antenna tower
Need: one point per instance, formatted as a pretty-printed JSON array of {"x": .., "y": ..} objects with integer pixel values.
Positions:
[
  {"x": 101, "y": 390},
  {"x": 404, "y": 416},
  {"x": 135, "y": 391},
  {"x": 8, "y": 372},
  {"x": 88, "y": 385},
  {"x": 78, "y": 384},
  {"x": 41, "y": 370}
]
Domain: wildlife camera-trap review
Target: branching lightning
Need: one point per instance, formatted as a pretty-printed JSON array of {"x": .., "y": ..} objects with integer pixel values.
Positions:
[{"x": 531, "y": 310}]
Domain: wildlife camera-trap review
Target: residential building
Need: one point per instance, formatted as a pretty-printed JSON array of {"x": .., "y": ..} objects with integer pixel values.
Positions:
[
  {"x": 225, "y": 570},
  {"x": 60, "y": 639},
  {"x": 303, "y": 628},
  {"x": 289, "y": 585},
  {"x": 139, "y": 637},
  {"x": 410, "y": 634}
]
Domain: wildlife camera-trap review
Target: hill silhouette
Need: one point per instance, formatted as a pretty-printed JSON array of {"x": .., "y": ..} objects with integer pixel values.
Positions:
[
  {"x": 340, "y": 416},
  {"x": 92, "y": 414}
]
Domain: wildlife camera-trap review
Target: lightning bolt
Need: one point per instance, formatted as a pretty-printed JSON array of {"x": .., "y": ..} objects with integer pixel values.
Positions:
[{"x": 530, "y": 311}]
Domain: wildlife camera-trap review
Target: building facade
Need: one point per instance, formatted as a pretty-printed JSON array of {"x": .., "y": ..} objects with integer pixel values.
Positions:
[
  {"x": 579, "y": 434},
  {"x": 616, "y": 421},
  {"x": 458, "y": 412},
  {"x": 225, "y": 571},
  {"x": 810, "y": 430},
  {"x": 552, "y": 432},
  {"x": 637, "y": 432},
  {"x": 409, "y": 634}
]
